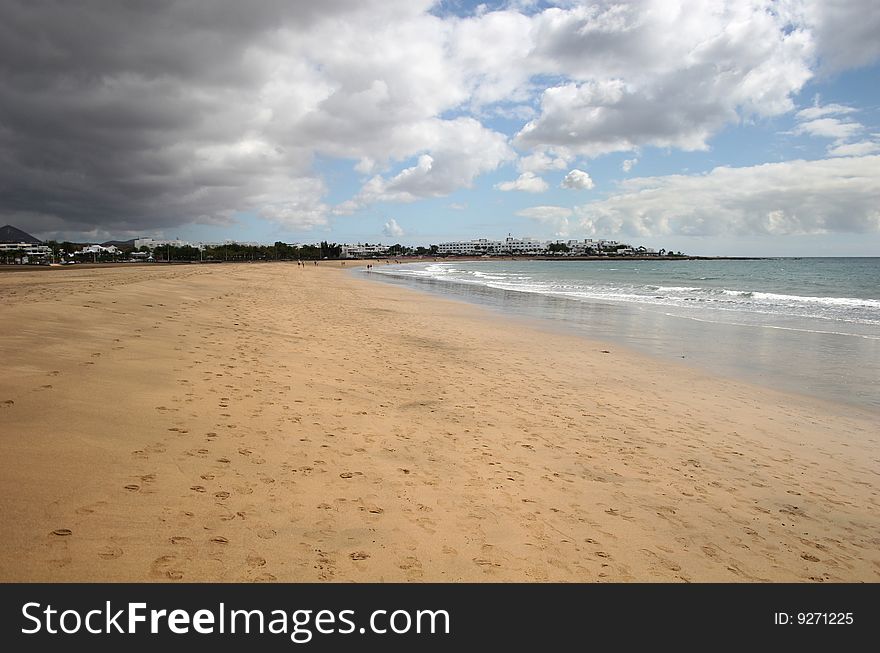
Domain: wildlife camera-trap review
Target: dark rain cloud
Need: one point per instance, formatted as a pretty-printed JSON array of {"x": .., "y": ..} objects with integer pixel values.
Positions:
[{"x": 105, "y": 108}]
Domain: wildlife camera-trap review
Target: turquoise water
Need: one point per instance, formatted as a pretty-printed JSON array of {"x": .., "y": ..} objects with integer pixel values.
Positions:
[{"x": 809, "y": 325}]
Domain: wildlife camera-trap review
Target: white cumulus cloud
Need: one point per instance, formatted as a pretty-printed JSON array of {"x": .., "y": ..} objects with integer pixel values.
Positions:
[
  {"x": 210, "y": 109},
  {"x": 540, "y": 161},
  {"x": 392, "y": 229},
  {"x": 628, "y": 164},
  {"x": 577, "y": 180},
  {"x": 821, "y": 122},
  {"x": 661, "y": 74},
  {"x": 794, "y": 197},
  {"x": 460, "y": 150},
  {"x": 861, "y": 148},
  {"x": 556, "y": 217},
  {"x": 527, "y": 181}
]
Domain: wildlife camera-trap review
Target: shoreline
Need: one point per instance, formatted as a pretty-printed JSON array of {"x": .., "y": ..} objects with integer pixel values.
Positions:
[
  {"x": 273, "y": 422},
  {"x": 399, "y": 260},
  {"x": 558, "y": 315}
]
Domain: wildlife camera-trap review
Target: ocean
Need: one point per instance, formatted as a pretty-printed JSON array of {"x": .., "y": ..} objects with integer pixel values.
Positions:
[{"x": 804, "y": 325}]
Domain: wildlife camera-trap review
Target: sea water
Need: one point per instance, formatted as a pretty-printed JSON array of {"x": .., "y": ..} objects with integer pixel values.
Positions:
[{"x": 806, "y": 325}]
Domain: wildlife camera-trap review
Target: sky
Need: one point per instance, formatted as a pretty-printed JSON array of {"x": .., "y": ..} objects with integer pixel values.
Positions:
[{"x": 747, "y": 127}]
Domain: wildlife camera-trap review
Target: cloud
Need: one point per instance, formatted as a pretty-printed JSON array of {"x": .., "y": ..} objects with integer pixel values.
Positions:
[
  {"x": 392, "y": 229},
  {"x": 204, "y": 110},
  {"x": 297, "y": 204},
  {"x": 135, "y": 118},
  {"x": 541, "y": 161},
  {"x": 817, "y": 121},
  {"x": 650, "y": 74},
  {"x": 860, "y": 148},
  {"x": 795, "y": 197},
  {"x": 460, "y": 150},
  {"x": 818, "y": 111},
  {"x": 577, "y": 180},
  {"x": 845, "y": 31},
  {"x": 839, "y": 130},
  {"x": 527, "y": 181},
  {"x": 556, "y": 217},
  {"x": 545, "y": 212},
  {"x": 628, "y": 164}
]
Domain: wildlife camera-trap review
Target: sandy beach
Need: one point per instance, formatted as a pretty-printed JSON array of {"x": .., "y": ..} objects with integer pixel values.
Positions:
[{"x": 271, "y": 422}]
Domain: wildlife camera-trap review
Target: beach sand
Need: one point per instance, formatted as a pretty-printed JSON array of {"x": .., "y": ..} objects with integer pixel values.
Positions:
[{"x": 271, "y": 422}]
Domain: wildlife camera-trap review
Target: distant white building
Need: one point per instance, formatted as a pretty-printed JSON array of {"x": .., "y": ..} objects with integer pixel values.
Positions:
[
  {"x": 153, "y": 243},
  {"x": 28, "y": 249},
  {"x": 99, "y": 249},
  {"x": 523, "y": 246},
  {"x": 531, "y": 247},
  {"x": 481, "y": 246},
  {"x": 583, "y": 247},
  {"x": 475, "y": 247},
  {"x": 363, "y": 251},
  {"x": 25, "y": 251},
  {"x": 609, "y": 244}
]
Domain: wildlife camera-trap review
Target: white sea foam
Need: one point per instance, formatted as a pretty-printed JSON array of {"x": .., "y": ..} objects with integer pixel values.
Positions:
[{"x": 725, "y": 301}]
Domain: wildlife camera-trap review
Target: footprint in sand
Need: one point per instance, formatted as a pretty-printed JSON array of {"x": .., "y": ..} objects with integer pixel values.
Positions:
[
  {"x": 8, "y": 403},
  {"x": 62, "y": 532},
  {"x": 88, "y": 510},
  {"x": 180, "y": 539},
  {"x": 109, "y": 552},
  {"x": 197, "y": 488},
  {"x": 219, "y": 539},
  {"x": 221, "y": 495},
  {"x": 485, "y": 562},
  {"x": 166, "y": 567},
  {"x": 255, "y": 561},
  {"x": 359, "y": 555},
  {"x": 132, "y": 487},
  {"x": 427, "y": 524}
]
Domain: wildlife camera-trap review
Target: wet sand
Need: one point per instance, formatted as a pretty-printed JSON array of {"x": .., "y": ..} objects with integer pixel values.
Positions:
[{"x": 270, "y": 422}]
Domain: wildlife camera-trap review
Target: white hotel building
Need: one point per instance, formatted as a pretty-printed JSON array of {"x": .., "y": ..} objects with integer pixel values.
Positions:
[
  {"x": 363, "y": 251},
  {"x": 528, "y": 246},
  {"x": 482, "y": 246},
  {"x": 24, "y": 252}
]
